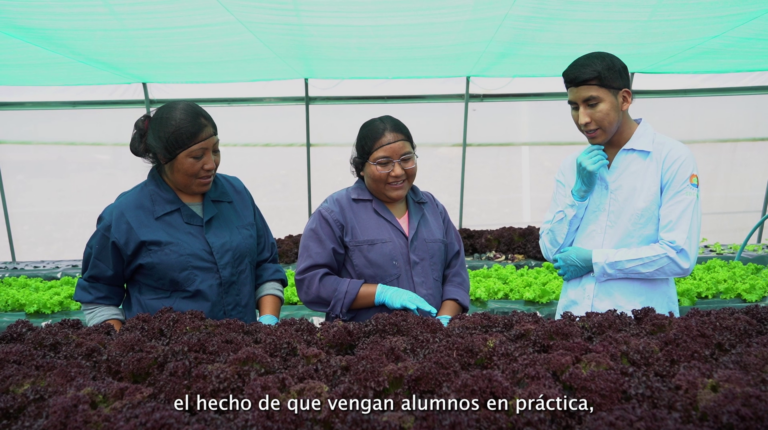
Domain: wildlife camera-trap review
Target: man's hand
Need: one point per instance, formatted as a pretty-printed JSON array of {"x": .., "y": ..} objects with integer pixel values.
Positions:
[
  {"x": 589, "y": 162},
  {"x": 573, "y": 262}
]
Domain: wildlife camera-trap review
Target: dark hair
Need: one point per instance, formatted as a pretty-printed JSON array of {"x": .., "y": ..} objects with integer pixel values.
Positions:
[
  {"x": 370, "y": 133},
  {"x": 173, "y": 128},
  {"x": 599, "y": 68}
]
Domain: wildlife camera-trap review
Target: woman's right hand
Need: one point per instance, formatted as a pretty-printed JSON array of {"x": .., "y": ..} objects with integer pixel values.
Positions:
[
  {"x": 398, "y": 298},
  {"x": 117, "y": 324}
]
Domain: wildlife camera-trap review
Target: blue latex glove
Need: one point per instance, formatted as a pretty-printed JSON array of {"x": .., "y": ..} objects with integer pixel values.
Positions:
[
  {"x": 445, "y": 319},
  {"x": 573, "y": 262},
  {"x": 398, "y": 298},
  {"x": 268, "y": 319},
  {"x": 589, "y": 162}
]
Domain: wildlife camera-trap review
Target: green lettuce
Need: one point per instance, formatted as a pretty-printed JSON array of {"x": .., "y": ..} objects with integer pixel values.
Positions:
[
  {"x": 541, "y": 285},
  {"x": 290, "y": 296},
  {"x": 715, "y": 278},
  {"x": 36, "y": 296},
  {"x": 723, "y": 279}
]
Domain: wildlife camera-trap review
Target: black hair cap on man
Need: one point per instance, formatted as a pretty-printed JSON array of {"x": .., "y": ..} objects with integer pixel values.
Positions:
[{"x": 598, "y": 68}]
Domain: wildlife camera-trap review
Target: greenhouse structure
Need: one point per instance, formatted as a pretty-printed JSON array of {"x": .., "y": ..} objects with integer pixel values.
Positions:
[{"x": 479, "y": 84}]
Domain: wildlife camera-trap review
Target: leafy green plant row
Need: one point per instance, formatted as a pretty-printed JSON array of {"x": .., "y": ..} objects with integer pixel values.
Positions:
[
  {"x": 541, "y": 285},
  {"x": 715, "y": 278},
  {"x": 36, "y": 296},
  {"x": 723, "y": 279},
  {"x": 720, "y": 249}
]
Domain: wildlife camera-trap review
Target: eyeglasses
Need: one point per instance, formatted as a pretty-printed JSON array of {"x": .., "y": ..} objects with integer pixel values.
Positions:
[{"x": 386, "y": 165}]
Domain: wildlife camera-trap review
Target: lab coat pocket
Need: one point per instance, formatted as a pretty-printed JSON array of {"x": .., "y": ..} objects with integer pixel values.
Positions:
[
  {"x": 168, "y": 267},
  {"x": 436, "y": 249},
  {"x": 374, "y": 260},
  {"x": 644, "y": 220},
  {"x": 246, "y": 244}
]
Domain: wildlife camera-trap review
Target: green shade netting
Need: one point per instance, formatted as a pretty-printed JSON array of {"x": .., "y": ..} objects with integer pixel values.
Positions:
[{"x": 88, "y": 42}]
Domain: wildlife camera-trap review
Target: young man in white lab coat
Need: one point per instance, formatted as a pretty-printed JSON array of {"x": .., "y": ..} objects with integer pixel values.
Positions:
[{"x": 625, "y": 216}]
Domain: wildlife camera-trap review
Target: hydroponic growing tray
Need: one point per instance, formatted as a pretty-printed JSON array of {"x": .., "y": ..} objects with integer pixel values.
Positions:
[
  {"x": 494, "y": 307},
  {"x": 602, "y": 371}
]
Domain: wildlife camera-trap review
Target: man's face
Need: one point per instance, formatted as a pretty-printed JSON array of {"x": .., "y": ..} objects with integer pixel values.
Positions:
[{"x": 597, "y": 112}]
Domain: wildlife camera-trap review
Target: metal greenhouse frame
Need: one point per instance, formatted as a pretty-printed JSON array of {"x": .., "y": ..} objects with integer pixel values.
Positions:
[{"x": 307, "y": 100}]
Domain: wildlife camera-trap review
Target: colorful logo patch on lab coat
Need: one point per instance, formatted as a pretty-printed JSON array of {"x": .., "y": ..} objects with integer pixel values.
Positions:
[{"x": 694, "y": 181}]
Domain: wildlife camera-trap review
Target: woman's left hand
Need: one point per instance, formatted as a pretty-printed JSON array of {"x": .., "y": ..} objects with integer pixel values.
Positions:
[{"x": 268, "y": 319}]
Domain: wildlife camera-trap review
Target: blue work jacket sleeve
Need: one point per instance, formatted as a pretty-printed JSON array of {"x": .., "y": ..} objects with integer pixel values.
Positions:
[
  {"x": 564, "y": 215},
  {"x": 268, "y": 267},
  {"x": 455, "y": 276},
  {"x": 103, "y": 280},
  {"x": 321, "y": 260},
  {"x": 675, "y": 253}
]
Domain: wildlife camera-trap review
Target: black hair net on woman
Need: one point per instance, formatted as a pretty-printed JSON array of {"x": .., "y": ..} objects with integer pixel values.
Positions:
[{"x": 173, "y": 128}]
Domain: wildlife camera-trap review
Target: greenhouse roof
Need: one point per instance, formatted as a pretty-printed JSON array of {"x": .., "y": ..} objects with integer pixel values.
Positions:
[{"x": 90, "y": 42}]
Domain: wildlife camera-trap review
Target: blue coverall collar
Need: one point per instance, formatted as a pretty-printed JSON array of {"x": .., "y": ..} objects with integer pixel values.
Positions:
[
  {"x": 360, "y": 192},
  {"x": 165, "y": 200}
]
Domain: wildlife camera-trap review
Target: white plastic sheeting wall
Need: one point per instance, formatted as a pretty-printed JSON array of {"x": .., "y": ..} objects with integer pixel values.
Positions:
[{"x": 55, "y": 191}]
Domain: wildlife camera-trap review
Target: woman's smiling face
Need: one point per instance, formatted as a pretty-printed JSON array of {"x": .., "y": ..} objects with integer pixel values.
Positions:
[{"x": 391, "y": 187}]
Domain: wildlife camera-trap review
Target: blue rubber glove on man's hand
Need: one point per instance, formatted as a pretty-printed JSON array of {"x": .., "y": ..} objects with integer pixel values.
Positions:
[
  {"x": 445, "y": 319},
  {"x": 573, "y": 262},
  {"x": 268, "y": 319},
  {"x": 398, "y": 298},
  {"x": 589, "y": 162}
]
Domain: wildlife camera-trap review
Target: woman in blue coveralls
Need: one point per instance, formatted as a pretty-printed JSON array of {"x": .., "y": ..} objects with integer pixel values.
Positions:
[
  {"x": 187, "y": 237},
  {"x": 382, "y": 244}
]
